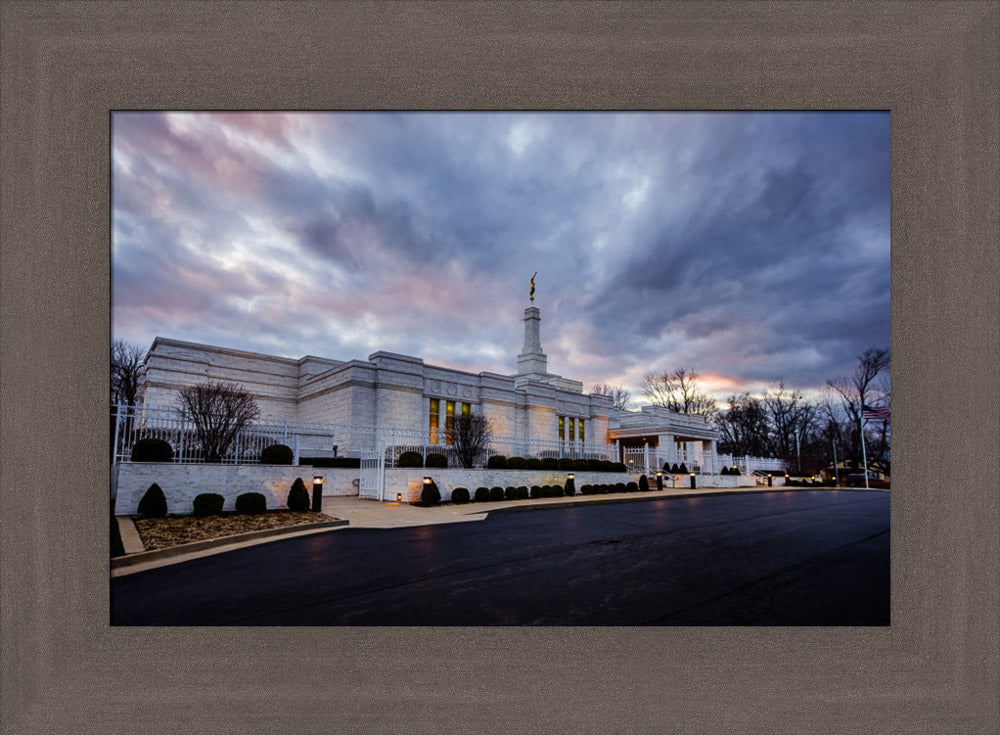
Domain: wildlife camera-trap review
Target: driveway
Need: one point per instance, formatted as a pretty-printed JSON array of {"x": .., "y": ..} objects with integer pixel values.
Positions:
[{"x": 781, "y": 558}]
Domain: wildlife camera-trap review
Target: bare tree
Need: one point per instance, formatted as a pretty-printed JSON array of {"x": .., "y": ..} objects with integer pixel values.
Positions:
[
  {"x": 743, "y": 426},
  {"x": 620, "y": 397},
  {"x": 791, "y": 418},
  {"x": 679, "y": 391},
  {"x": 863, "y": 388},
  {"x": 469, "y": 437},
  {"x": 219, "y": 412},
  {"x": 126, "y": 371}
]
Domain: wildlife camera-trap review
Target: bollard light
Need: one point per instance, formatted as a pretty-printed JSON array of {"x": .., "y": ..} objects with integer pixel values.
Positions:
[
  {"x": 659, "y": 480},
  {"x": 317, "y": 504},
  {"x": 399, "y": 497},
  {"x": 770, "y": 480},
  {"x": 694, "y": 483},
  {"x": 570, "y": 485}
]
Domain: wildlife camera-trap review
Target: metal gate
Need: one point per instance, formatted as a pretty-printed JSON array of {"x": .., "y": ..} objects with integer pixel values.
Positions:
[{"x": 372, "y": 483}]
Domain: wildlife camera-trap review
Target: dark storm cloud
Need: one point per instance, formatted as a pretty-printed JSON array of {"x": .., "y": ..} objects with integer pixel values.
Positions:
[{"x": 750, "y": 245}]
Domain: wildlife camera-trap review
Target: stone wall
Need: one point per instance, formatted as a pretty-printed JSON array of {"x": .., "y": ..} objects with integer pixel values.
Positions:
[
  {"x": 408, "y": 482},
  {"x": 182, "y": 482}
]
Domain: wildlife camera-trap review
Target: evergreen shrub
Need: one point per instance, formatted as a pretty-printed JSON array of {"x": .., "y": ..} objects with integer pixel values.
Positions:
[
  {"x": 345, "y": 462},
  {"x": 566, "y": 464},
  {"x": 429, "y": 494},
  {"x": 643, "y": 483},
  {"x": 436, "y": 460},
  {"x": 522, "y": 493},
  {"x": 510, "y": 493},
  {"x": 251, "y": 503},
  {"x": 460, "y": 495},
  {"x": 532, "y": 463},
  {"x": 515, "y": 463},
  {"x": 619, "y": 487},
  {"x": 153, "y": 503},
  {"x": 496, "y": 493},
  {"x": 409, "y": 459},
  {"x": 683, "y": 470},
  {"x": 536, "y": 491},
  {"x": 276, "y": 454},
  {"x": 550, "y": 463},
  {"x": 482, "y": 494},
  {"x": 631, "y": 488},
  {"x": 557, "y": 491},
  {"x": 208, "y": 504},
  {"x": 298, "y": 496},
  {"x": 496, "y": 462},
  {"x": 546, "y": 491},
  {"x": 620, "y": 467},
  {"x": 152, "y": 450}
]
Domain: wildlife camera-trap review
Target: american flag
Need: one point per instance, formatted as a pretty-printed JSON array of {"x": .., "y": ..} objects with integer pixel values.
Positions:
[{"x": 880, "y": 413}]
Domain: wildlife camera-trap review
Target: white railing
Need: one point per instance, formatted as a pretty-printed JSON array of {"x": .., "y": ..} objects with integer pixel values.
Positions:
[
  {"x": 316, "y": 439},
  {"x": 649, "y": 460},
  {"x": 749, "y": 465}
]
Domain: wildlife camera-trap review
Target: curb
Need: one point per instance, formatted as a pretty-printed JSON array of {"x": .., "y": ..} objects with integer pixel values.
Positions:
[{"x": 145, "y": 556}]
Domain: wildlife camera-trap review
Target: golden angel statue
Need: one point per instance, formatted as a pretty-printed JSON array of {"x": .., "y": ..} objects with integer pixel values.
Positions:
[{"x": 531, "y": 296}]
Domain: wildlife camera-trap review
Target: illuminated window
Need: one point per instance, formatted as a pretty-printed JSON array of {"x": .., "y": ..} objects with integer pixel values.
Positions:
[
  {"x": 572, "y": 429},
  {"x": 466, "y": 409},
  {"x": 435, "y": 410},
  {"x": 562, "y": 428},
  {"x": 449, "y": 419},
  {"x": 582, "y": 439}
]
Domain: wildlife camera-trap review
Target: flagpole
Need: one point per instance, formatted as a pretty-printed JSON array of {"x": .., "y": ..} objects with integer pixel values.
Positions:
[{"x": 864, "y": 456}]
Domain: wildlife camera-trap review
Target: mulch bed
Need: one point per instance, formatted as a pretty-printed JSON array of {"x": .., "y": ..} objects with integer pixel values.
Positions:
[{"x": 161, "y": 533}]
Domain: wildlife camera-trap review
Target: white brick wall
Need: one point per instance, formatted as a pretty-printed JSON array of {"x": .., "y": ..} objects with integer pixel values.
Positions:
[{"x": 182, "y": 482}]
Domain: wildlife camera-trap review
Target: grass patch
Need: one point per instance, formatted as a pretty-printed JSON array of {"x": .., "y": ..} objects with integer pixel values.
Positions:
[{"x": 162, "y": 533}]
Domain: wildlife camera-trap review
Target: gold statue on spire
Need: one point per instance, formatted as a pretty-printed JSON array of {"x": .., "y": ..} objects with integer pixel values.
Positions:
[{"x": 531, "y": 296}]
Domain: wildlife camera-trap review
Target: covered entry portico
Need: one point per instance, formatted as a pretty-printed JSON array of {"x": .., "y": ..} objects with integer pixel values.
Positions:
[{"x": 645, "y": 441}]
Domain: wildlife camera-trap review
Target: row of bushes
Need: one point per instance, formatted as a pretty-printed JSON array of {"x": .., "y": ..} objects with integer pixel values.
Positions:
[
  {"x": 154, "y": 503},
  {"x": 159, "y": 450},
  {"x": 564, "y": 464},
  {"x": 430, "y": 495}
]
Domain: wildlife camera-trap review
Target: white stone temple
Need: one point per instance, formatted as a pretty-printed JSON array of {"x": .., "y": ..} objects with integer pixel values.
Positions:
[{"x": 411, "y": 399}]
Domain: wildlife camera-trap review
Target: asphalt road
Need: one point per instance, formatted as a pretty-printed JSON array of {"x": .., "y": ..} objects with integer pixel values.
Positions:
[{"x": 782, "y": 558}]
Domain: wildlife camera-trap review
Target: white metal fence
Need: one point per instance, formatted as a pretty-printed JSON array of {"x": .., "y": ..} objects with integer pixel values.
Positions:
[
  {"x": 648, "y": 459},
  {"x": 314, "y": 439}
]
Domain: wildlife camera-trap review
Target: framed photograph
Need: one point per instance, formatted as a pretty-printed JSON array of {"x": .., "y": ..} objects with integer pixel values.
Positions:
[{"x": 66, "y": 66}]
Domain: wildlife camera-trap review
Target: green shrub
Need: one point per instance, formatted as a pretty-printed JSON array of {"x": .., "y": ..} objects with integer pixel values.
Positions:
[
  {"x": 496, "y": 462},
  {"x": 496, "y": 493},
  {"x": 410, "y": 459},
  {"x": 536, "y": 491},
  {"x": 522, "y": 493},
  {"x": 557, "y": 491},
  {"x": 298, "y": 496},
  {"x": 152, "y": 450},
  {"x": 153, "y": 503},
  {"x": 550, "y": 463},
  {"x": 276, "y": 454},
  {"x": 546, "y": 491},
  {"x": 643, "y": 483},
  {"x": 436, "y": 460},
  {"x": 683, "y": 470},
  {"x": 675, "y": 470},
  {"x": 208, "y": 504},
  {"x": 606, "y": 489},
  {"x": 460, "y": 495},
  {"x": 620, "y": 467},
  {"x": 585, "y": 489},
  {"x": 482, "y": 494},
  {"x": 510, "y": 493},
  {"x": 429, "y": 494},
  {"x": 631, "y": 488},
  {"x": 515, "y": 463},
  {"x": 565, "y": 464},
  {"x": 620, "y": 487},
  {"x": 347, "y": 462},
  {"x": 533, "y": 463},
  {"x": 251, "y": 503}
]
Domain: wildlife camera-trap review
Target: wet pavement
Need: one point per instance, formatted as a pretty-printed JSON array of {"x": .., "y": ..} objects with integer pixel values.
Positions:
[{"x": 779, "y": 558}]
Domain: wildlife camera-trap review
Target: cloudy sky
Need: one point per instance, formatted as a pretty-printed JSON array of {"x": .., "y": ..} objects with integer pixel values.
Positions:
[{"x": 748, "y": 247}]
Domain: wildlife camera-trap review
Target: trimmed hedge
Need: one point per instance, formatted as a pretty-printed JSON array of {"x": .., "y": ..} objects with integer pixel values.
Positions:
[
  {"x": 643, "y": 483},
  {"x": 429, "y": 494},
  {"x": 550, "y": 463},
  {"x": 152, "y": 450},
  {"x": 496, "y": 462},
  {"x": 631, "y": 487},
  {"x": 510, "y": 493},
  {"x": 298, "y": 496},
  {"x": 153, "y": 503},
  {"x": 208, "y": 504},
  {"x": 482, "y": 494},
  {"x": 276, "y": 454},
  {"x": 533, "y": 463},
  {"x": 332, "y": 462},
  {"x": 496, "y": 493},
  {"x": 436, "y": 460},
  {"x": 409, "y": 459},
  {"x": 515, "y": 463},
  {"x": 557, "y": 491},
  {"x": 460, "y": 495},
  {"x": 251, "y": 503}
]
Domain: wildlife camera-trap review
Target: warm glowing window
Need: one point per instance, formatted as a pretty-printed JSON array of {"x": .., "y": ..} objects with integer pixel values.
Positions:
[
  {"x": 466, "y": 409},
  {"x": 572, "y": 429},
  {"x": 562, "y": 428},
  {"x": 582, "y": 439},
  {"x": 435, "y": 412},
  {"x": 449, "y": 419}
]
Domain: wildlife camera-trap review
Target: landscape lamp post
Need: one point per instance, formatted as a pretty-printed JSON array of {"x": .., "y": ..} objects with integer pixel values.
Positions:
[
  {"x": 770, "y": 479},
  {"x": 570, "y": 485},
  {"x": 659, "y": 480},
  {"x": 317, "y": 504},
  {"x": 694, "y": 484}
]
